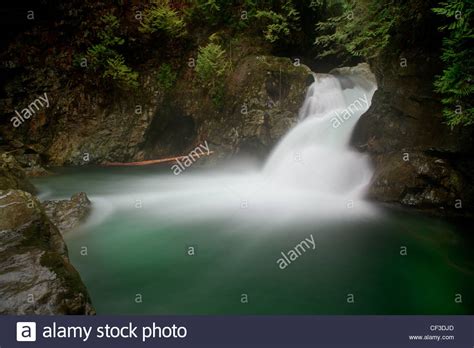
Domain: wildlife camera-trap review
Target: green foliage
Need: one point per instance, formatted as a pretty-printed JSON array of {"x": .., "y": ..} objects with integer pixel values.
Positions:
[
  {"x": 276, "y": 19},
  {"x": 162, "y": 18},
  {"x": 211, "y": 64},
  {"x": 235, "y": 14},
  {"x": 107, "y": 35},
  {"x": 278, "y": 25},
  {"x": 166, "y": 76},
  {"x": 363, "y": 28},
  {"x": 119, "y": 71},
  {"x": 98, "y": 55},
  {"x": 104, "y": 58},
  {"x": 210, "y": 12},
  {"x": 456, "y": 81},
  {"x": 209, "y": 6},
  {"x": 366, "y": 27},
  {"x": 211, "y": 69}
]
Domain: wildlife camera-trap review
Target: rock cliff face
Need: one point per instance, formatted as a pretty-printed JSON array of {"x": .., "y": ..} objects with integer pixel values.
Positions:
[
  {"x": 81, "y": 126},
  {"x": 419, "y": 161},
  {"x": 261, "y": 101}
]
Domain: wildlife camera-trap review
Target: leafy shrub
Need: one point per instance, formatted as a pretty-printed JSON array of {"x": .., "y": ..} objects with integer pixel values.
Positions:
[
  {"x": 211, "y": 64},
  {"x": 209, "y": 6},
  {"x": 211, "y": 68},
  {"x": 279, "y": 24},
  {"x": 166, "y": 76},
  {"x": 118, "y": 70},
  {"x": 362, "y": 29},
  {"x": 214, "y": 13},
  {"x": 211, "y": 12},
  {"x": 162, "y": 18},
  {"x": 456, "y": 81},
  {"x": 107, "y": 35},
  {"x": 105, "y": 59},
  {"x": 98, "y": 55}
]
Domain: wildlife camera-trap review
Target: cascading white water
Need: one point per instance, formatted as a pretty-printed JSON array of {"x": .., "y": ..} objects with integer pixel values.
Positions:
[
  {"x": 315, "y": 154},
  {"x": 312, "y": 174}
]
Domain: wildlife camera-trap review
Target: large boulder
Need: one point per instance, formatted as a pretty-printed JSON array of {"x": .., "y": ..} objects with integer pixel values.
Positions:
[
  {"x": 36, "y": 276},
  {"x": 419, "y": 180},
  {"x": 420, "y": 162}
]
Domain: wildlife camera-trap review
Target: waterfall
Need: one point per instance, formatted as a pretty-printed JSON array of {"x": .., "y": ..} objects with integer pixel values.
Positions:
[
  {"x": 315, "y": 154},
  {"x": 311, "y": 176}
]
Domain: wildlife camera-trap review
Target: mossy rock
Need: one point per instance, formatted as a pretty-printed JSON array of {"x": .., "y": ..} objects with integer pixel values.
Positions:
[{"x": 36, "y": 275}]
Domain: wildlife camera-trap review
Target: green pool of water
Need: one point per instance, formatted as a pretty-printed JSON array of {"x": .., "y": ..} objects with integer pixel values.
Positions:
[{"x": 138, "y": 264}]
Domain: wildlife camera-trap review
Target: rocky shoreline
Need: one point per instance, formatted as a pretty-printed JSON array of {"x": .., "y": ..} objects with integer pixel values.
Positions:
[{"x": 37, "y": 276}]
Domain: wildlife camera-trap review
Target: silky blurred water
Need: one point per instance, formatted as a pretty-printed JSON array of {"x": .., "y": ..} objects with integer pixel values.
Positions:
[{"x": 134, "y": 251}]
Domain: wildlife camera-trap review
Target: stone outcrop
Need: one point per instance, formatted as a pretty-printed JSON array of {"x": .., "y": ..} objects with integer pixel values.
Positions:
[
  {"x": 419, "y": 161},
  {"x": 36, "y": 276},
  {"x": 69, "y": 213}
]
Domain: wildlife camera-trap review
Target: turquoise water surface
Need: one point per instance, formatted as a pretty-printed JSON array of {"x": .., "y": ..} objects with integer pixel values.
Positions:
[{"x": 141, "y": 263}]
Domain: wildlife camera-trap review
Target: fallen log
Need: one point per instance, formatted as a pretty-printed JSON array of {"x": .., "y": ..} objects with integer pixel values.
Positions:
[{"x": 150, "y": 162}]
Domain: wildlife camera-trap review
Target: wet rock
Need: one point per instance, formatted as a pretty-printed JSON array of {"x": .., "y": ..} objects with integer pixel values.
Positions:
[
  {"x": 361, "y": 73},
  {"x": 405, "y": 121},
  {"x": 68, "y": 214},
  {"x": 419, "y": 180},
  {"x": 265, "y": 95},
  {"x": 36, "y": 276},
  {"x": 31, "y": 164},
  {"x": 91, "y": 124},
  {"x": 12, "y": 175},
  {"x": 85, "y": 127}
]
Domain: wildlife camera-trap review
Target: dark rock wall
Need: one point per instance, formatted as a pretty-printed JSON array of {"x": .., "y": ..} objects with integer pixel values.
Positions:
[
  {"x": 419, "y": 161},
  {"x": 82, "y": 126}
]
